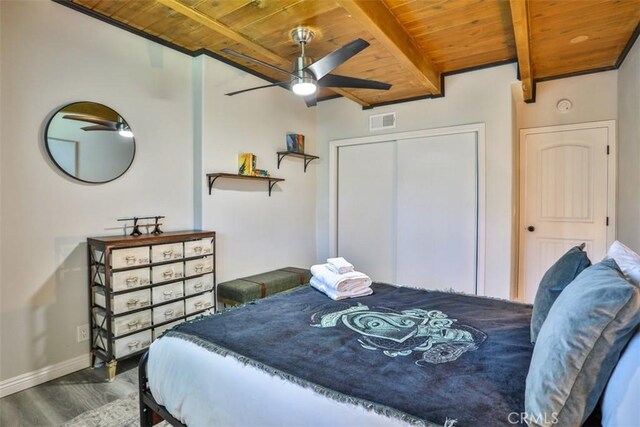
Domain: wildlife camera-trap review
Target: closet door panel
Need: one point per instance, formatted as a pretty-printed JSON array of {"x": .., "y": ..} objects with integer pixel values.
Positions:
[
  {"x": 366, "y": 205},
  {"x": 437, "y": 212}
]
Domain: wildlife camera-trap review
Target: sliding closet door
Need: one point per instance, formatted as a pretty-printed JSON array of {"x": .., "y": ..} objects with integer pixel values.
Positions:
[
  {"x": 366, "y": 205},
  {"x": 437, "y": 212}
]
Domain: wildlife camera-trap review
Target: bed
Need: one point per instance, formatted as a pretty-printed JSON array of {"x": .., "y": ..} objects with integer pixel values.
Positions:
[
  {"x": 399, "y": 357},
  {"x": 405, "y": 356}
]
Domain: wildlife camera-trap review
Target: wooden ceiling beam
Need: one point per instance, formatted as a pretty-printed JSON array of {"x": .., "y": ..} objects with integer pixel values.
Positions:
[
  {"x": 378, "y": 20},
  {"x": 226, "y": 31},
  {"x": 222, "y": 29},
  {"x": 350, "y": 96},
  {"x": 522, "y": 31}
]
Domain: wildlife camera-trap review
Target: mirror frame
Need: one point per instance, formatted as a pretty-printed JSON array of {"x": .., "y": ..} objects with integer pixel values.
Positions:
[{"x": 60, "y": 168}]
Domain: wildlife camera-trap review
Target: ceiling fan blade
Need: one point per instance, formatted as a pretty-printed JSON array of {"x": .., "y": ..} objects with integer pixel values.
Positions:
[
  {"x": 334, "y": 80},
  {"x": 283, "y": 84},
  {"x": 310, "y": 100},
  {"x": 99, "y": 127},
  {"x": 90, "y": 119},
  {"x": 256, "y": 61},
  {"x": 327, "y": 63}
]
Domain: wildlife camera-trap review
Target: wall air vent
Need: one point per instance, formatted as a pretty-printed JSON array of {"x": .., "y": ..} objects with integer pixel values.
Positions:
[{"x": 382, "y": 121}]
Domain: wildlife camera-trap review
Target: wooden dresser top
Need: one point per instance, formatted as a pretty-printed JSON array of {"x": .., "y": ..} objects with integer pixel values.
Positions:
[{"x": 150, "y": 239}]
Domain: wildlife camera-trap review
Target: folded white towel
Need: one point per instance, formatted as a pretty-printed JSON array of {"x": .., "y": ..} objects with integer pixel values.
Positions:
[
  {"x": 340, "y": 282},
  {"x": 339, "y": 265},
  {"x": 337, "y": 296}
]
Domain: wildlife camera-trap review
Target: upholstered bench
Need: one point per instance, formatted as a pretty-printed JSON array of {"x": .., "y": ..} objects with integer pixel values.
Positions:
[{"x": 246, "y": 289}]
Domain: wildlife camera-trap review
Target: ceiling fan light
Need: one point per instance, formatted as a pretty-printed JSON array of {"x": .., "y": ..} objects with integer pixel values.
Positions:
[
  {"x": 303, "y": 88},
  {"x": 126, "y": 133},
  {"x": 124, "y": 130}
]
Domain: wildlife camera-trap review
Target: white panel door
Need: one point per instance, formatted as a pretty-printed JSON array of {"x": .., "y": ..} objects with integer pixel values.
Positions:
[
  {"x": 564, "y": 201},
  {"x": 437, "y": 212},
  {"x": 366, "y": 206}
]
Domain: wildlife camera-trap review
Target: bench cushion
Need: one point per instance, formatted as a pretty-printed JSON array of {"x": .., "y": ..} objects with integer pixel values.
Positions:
[
  {"x": 303, "y": 273},
  {"x": 261, "y": 285}
]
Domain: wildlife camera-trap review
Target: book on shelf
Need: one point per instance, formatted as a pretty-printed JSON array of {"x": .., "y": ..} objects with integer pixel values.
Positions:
[
  {"x": 246, "y": 164},
  {"x": 295, "y": 143}
]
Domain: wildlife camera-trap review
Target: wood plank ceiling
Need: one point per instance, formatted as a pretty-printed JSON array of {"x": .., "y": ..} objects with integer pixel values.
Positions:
[{"x": 413, "y": 43}]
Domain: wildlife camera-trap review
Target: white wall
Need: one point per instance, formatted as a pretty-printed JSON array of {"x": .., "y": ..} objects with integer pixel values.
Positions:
[
  {"x": 629, "y": 149},
  {"x": 594, "y": 98},
  {"x": 51, "y": 56},
  {"x": 255, "y": 232},
  {"x": 480, "y": 96}
]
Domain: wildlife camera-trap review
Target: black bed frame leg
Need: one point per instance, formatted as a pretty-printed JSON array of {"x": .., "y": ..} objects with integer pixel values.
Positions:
[
  {"x": 146, "y": 414},
  {"x": 151, "y": 412}
]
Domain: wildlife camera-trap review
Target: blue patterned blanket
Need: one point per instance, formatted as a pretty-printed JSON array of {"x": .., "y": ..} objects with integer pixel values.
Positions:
[{"x": 423, "y": 356}]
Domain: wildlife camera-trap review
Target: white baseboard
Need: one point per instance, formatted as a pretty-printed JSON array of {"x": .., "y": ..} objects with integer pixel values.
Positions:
[{"x": 48, "y": 373}]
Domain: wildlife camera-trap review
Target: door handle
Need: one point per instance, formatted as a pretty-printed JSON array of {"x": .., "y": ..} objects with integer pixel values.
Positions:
[{"x": 531, "y": 228}]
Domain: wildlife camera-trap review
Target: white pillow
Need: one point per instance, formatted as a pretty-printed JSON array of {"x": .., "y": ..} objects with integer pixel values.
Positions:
[
  {"x": 627, "y": 260},
  {"x": 620, "y": 402}
]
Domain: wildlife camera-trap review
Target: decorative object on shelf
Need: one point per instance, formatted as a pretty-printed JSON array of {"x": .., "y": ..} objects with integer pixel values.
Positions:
[
  {"x": 136, "y": 227},
  {"x": 136, "y": 230},
  {"x": 295, "y": 143},
  {"x": 140, "y": 286},
  {"x": 156, "y": 228},
  {"x": 308, "y": 158},
  {"x": 246, "y": 163},
  {"x": 212, "y": 177},
  {"x": 89, "y": 142},
  {"x": 261, "y": 172}
]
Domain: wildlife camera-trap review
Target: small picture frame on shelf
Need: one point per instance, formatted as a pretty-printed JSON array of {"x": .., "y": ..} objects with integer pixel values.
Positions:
[{"x": 295, "y": 143}]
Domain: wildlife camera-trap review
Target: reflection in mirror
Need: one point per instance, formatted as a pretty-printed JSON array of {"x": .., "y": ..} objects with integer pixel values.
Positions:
[{"x": 90, "y": 142}]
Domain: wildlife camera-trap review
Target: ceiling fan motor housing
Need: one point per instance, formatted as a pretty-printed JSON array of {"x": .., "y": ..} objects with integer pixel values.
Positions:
[
  {"x": 302, "y": 36},
  {"x": 297, "y": 68}
]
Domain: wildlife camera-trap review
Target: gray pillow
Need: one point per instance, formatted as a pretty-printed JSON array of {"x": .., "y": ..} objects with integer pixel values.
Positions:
[
  {"x": 579, "y": 345},
  {"x": 553, "y": 282}
]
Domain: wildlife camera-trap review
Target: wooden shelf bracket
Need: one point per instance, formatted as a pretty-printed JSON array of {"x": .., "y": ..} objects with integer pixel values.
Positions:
[{"x": 308, "y": 158}]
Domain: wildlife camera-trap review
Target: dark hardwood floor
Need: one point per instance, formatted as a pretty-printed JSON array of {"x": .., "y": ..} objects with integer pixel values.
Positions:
[{"x": 60, "y": 400}]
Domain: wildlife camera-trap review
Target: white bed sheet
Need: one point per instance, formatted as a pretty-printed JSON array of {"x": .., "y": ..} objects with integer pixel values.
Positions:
[
  {"x": 621, "y": 397},
  {"x": 202, "y": 388}
]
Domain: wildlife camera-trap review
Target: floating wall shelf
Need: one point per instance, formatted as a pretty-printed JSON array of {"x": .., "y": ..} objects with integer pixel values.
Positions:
[
  {"x": 213, "y": 176},
  {"x": 308, "y": 158}
]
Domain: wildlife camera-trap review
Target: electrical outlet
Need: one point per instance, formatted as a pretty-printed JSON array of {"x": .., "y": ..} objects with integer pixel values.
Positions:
[{"x": 83, "y": 333}]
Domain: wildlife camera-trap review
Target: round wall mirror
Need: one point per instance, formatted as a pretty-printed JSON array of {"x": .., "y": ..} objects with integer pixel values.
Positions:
[{"x": 90, "y": 142}]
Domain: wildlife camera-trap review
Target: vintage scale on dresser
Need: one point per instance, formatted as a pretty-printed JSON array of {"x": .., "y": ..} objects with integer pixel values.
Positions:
[{"x": 141, "y": 285}]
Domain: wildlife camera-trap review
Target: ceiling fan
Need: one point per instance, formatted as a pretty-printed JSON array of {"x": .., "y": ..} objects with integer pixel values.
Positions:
[
  {"x": 102, "y": 124},
  {"x": 306, "y": 75}
]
